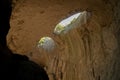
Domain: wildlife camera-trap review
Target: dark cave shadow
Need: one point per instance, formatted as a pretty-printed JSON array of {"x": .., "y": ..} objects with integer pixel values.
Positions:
[{"x": 15, "y": 66}]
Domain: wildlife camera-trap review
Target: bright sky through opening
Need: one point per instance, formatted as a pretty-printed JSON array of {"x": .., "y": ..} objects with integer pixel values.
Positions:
[{"x": 68, "y": 20}]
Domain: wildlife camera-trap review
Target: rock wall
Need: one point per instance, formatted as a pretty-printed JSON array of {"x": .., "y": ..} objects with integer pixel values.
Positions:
[{"x": 90, "y": 52}]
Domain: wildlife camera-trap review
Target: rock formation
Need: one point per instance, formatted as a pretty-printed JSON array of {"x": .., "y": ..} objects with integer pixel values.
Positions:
[{"x": 90, "y": 52}]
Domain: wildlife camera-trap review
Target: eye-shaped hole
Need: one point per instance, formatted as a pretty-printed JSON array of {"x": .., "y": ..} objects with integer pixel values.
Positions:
[
  {"x": 46, "y": 43},
  {"x": 71, "y": 22}
]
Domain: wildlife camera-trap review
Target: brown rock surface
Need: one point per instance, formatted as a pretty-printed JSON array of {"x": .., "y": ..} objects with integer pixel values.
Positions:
[{"x": 90, "y": 52}]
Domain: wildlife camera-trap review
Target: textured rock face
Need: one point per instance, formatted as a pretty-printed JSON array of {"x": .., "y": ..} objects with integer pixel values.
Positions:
[{"x": 90, "y": 52}]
